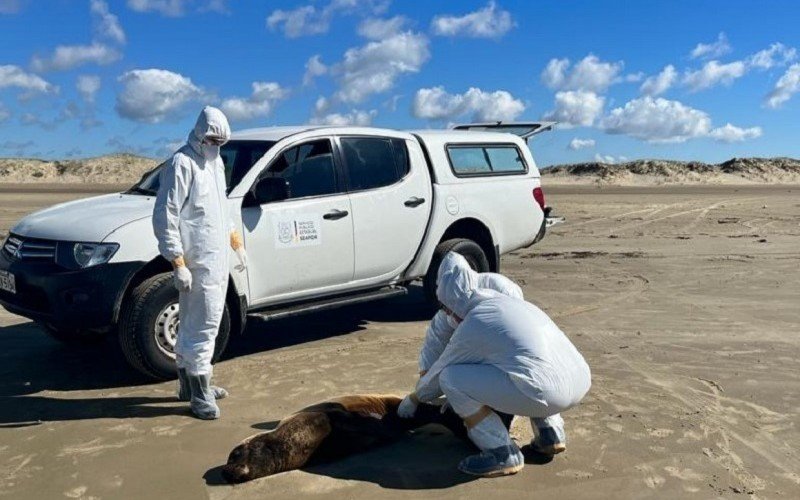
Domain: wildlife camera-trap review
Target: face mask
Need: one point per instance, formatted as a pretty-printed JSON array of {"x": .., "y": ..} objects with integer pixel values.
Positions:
[{"x": 210, "y": 151}]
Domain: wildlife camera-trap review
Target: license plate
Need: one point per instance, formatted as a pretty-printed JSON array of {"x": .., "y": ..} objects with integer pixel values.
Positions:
[{"x": 7, "y": 282}]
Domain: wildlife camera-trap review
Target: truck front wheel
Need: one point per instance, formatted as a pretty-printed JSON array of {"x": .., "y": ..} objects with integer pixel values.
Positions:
[
  {"x": 470, "y": 250},
  {"x": 148, "y": 328}
]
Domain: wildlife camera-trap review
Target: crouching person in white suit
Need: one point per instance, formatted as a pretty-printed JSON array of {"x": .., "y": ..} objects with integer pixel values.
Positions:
[{"x": 504, "y": 355}]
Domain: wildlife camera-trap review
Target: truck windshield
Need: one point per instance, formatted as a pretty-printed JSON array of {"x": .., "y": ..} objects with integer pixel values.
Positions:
[{"x": 237, "y": 155}]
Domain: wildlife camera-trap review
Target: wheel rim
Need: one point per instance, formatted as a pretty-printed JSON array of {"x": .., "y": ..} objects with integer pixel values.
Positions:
[{"x": 165, "y": 330}]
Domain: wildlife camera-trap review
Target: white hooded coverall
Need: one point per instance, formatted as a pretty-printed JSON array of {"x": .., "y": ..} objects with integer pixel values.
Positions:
[
  {"x": 440, "y": 330},
  {"x": 190, "y": 220},
  {"x": 506, "y": 354}
]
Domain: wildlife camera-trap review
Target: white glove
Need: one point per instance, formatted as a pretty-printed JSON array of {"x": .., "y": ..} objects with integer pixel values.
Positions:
[
  {"x": 183, "y": 279},
  {"x": 242, "y": 256},
  {"x": 407, "y": 408}
]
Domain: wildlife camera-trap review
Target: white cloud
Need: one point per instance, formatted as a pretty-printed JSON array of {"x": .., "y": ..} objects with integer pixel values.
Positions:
[
  {"x": 777, "y": 54},
  {"x": 171, "y": 8},
  {"x": 436, "y": 104},
  {"x": 5, "y": 114},
  {"x": 711, "y": 50},
  {"x": 355, "y": 117},
  {"x": 712, "y": 74},
  {"x": 634, "y": 77},
  {"x": 576, "y": 144},
  {"x": 10, "y": 6},
  {"x": 376, "y": 28},
  {"x": 260, "y": 103},
  {"x": 609, "y": 158},
  {"x": 488, "y": 22},
  {"x": 730, "y": 133},
  {"x": 219, "y": 6},
  {"x": 14, "y": 76},
  {"x": 787, "y": 86},
  {"x": 309, "y": 20},
  {"x": 87, "y": 86},
  {"x": 374, "y": 67},
  {"x": 314, "y": 68},
  {"x": 67, "y": 57},
  {"x": 302, "y": 21},
  {"x": 588, "y": 74},
  {"x": 177, "y": 8},
  {"x": 660, "y": 83},
  {"x": 151, "y": 95},
  {"x": 321, "y": 106},
  {"x": 555, "y": 72},
  {"x": 576, "y": 108},
  {"x": 657, "y": 120},
  {"x": 106, "y": 24}
]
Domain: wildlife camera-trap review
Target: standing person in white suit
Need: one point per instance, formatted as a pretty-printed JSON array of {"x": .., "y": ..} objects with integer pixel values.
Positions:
[
  {"x": 193, "y": 228},
  {"x": 505, "y": 355}
]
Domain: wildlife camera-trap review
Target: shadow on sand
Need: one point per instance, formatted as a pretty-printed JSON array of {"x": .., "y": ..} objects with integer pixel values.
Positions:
[
  {"x": 31, "y": 362},
  {"x": 427, "y": 459}
]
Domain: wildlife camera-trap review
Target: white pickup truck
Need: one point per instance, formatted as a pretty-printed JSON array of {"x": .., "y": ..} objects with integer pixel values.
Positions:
[{"x": 330, "y": 216}]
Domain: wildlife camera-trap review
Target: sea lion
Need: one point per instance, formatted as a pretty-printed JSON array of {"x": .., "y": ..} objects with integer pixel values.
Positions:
[{"x": 331, "y": 430}]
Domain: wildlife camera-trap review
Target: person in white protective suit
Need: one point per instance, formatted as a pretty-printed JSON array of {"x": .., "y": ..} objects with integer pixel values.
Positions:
[
  {"x": 193, "y": 228},
  {"x": 505, "y": 355}
]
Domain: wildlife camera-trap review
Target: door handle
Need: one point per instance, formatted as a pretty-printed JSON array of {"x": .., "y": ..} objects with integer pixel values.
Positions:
[
  {"x": 414, "y": 202},
  {"x": 335, "y": 214}
]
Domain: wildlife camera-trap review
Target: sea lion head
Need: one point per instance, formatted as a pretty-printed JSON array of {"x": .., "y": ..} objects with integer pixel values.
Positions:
[{"x": 254, "y": 457}]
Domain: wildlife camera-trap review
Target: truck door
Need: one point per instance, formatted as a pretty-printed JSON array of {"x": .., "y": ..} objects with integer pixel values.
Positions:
[
  {"x": 390, "y": 193},
  {"x": 304, "y": 244}
]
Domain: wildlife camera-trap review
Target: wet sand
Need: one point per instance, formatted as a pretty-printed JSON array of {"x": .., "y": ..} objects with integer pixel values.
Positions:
[{"x": 684, "y": 302}]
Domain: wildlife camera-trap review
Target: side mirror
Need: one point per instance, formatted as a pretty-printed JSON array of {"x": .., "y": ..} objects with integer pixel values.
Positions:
[{"x": 268, "y": 190}]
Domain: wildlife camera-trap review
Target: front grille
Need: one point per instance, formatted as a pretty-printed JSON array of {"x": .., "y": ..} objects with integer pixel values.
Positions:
[{"x": 31, "y": 249}]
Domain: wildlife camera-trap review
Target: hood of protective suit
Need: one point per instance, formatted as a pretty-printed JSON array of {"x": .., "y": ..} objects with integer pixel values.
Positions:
[
  {"x": 211, "y": 123},
  {"x": 456, "y": 283}
]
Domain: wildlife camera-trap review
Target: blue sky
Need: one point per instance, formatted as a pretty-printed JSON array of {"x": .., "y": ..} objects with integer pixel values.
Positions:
[{"x": 660, "y": 79}]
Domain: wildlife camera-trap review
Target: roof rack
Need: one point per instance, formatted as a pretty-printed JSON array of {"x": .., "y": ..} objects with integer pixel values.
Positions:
[{"x": 525, "y": 130}]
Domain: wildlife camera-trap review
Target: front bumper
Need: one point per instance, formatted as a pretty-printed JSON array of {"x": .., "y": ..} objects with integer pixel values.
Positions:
[{"x": 48, "y": 293}]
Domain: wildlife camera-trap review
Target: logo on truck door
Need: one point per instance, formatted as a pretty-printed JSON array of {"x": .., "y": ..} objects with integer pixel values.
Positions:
[{"x": 297, "y": 231}]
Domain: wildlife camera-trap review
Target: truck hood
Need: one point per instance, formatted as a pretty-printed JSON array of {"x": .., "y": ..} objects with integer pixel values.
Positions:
[{"x": 87, "y": 220}]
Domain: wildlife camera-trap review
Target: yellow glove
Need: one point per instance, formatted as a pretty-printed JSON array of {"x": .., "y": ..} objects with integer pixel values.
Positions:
[{"x": 237, "y": 244}]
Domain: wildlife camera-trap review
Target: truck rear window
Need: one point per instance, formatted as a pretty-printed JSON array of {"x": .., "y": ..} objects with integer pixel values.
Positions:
[{"x": 496, "y": 159}]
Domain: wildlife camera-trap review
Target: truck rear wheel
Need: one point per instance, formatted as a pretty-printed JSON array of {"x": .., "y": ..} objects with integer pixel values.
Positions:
[
  {"x": 467, "y": 248},
  {"x": 148, "y": 328}
]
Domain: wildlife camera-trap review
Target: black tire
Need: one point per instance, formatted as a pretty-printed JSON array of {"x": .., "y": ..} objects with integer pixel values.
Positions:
[
  {"x": 74, "y": 337},
  {"x": 471, "y": 251},
  {"x": 137, "y": 328}
]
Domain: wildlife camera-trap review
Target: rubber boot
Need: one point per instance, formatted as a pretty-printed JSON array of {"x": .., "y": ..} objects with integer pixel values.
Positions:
[
  {"x": 185, "y": 392},
  {"x": 499, "y": 455},
  {"x": 549, "y": 436},
  {"x": 202, "y": 403}
]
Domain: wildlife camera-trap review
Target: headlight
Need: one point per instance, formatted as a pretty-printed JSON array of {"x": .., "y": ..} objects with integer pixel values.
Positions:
[{"x": 93, "y": 254}]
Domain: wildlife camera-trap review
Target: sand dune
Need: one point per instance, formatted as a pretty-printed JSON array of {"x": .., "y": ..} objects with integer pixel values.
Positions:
[
  {"x": 109, "y": 169},
  {"x": 658, "y": 172},
  {"x": 127, "y": 169}
]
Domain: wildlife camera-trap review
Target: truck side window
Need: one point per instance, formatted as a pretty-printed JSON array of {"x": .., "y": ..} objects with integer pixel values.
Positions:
[
  {"x": 505, "y": 159},
  {"x": 308, "y": 168},
  {"x": 469, "y": 160},
  {"x": 239, "y": 156},
  {"x": 374, "y": 162},
  {"x": 486, "y": 160}
]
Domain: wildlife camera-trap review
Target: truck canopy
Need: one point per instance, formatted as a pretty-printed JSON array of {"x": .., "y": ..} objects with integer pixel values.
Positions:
[{"x": 522, "y": 129}]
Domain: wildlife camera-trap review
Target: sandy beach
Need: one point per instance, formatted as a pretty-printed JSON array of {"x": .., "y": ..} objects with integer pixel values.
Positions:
[{"x": 682, "y": 299}]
